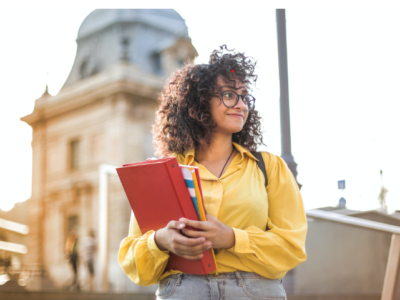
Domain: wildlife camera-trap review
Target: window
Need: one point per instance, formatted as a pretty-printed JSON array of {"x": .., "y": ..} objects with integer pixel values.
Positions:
[
  {"x": 75, "y": 155},
  {"x": 180, "y": 63},
  {"x": 156, "y": 58},
  {"x": 84, "y": 68},
  {"x": 72, "y": 224},
  {"x": 88, "y": 68}
]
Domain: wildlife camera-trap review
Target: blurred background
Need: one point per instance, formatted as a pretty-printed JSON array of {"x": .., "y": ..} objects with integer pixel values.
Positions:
[{"x": 79, "y": 92}]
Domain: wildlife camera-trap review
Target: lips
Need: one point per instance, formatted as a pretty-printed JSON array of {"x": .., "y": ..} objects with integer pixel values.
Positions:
[{"x": 239, "y": 116}]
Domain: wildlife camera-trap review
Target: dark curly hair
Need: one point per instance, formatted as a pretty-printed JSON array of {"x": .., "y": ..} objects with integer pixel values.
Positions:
[{"x": 183, "y": 119}]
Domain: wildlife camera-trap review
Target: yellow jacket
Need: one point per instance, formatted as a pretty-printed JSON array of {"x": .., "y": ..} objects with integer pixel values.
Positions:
[{"x": 238, "y": 199}]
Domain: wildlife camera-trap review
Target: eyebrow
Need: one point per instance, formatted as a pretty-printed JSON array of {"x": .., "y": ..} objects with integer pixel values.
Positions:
[{"x": 220, "y": 87}]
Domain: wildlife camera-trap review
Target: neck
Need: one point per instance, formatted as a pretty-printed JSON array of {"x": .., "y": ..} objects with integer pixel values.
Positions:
[{"x": 220, "y": 148}]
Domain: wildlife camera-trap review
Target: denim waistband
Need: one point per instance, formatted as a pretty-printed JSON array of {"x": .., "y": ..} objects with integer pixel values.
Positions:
[{"x": 233, "y": 275}]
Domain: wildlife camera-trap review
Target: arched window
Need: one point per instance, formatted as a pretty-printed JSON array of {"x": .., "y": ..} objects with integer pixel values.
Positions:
[
  {"x": 84, "y": 68},
  {"x": 156, "y": 58}
]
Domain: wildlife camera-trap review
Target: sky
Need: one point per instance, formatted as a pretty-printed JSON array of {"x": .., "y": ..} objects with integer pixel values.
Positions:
[{"x": 343, "y": 86}]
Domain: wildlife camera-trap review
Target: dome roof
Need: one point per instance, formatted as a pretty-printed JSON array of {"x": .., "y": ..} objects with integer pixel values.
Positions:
[
  {"x": 135, "y": 36},
  {"x": 166, "y": 19}
]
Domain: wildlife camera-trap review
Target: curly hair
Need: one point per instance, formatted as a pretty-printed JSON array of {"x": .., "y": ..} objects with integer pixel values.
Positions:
[{"x": 183, "y": 119}]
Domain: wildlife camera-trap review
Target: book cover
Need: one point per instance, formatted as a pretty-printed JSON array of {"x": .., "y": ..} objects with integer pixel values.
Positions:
[{"x": 157, "y": 193}]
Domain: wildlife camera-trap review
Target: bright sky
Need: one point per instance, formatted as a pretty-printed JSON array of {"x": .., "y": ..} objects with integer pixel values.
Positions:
[{"x": 343, "y": 78}]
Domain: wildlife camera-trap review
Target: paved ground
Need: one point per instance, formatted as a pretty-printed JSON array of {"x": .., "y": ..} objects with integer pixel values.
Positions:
[
  {"x": 331, "y": 297},
  {"x": 15, "y": 295}
]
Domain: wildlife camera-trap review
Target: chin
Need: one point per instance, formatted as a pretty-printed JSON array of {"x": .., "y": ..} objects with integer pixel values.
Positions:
[
  {"x": 235, "y": 129},
  {"x": 231, "y": 127}
]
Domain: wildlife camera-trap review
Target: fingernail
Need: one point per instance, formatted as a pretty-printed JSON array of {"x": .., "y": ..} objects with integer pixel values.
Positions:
[{"x": 181, "y": 225}]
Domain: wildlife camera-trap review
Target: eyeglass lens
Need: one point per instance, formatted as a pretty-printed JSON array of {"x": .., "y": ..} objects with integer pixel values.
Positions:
[{"x": 230, "y": 99}]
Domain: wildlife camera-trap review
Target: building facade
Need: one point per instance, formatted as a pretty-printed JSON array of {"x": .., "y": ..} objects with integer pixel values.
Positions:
[{"x": 102, "y": 115}]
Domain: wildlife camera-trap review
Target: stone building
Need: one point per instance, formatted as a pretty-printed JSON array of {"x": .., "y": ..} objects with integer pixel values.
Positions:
[{"x": 102, "y": 115}]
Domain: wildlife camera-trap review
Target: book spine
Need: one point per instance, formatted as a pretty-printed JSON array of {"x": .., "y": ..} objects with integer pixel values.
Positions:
[{"x": 181, "y": 190}]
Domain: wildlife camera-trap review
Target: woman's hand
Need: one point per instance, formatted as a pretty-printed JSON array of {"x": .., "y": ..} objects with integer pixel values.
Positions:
[
  {"x": 169, "y": 238},
  {"x": 220, "y": 235}
]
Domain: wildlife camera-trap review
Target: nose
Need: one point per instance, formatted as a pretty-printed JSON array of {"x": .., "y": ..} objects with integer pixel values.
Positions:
[{"x": 240, "y": 105}]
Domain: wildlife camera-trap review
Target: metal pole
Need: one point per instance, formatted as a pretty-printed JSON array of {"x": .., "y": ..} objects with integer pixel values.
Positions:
[{"x": 284, "y": 93}]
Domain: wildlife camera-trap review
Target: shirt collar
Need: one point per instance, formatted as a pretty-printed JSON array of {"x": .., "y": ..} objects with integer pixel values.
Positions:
[
  {"x": 187, "y": 157},
  {"x": 242, "y": 150}
]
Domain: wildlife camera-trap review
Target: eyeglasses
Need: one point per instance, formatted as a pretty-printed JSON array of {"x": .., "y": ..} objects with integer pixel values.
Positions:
[{"x": 231, "y": 99}]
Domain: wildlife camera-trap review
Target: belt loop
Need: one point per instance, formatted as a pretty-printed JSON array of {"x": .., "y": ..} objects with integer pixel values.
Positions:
[
  {"x": 178, "y": 282},
  {"x": 239, "y": 278}
]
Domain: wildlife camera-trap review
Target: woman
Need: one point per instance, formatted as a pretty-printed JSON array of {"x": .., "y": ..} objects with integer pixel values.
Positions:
[
  {"x": 89, "y": 248},
  {"x": 71, "y": 252},
  {"x": 207, "y": 119}
]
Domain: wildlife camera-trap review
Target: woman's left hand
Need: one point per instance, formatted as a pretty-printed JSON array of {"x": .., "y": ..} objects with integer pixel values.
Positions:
[{"x": 220, "y": 235}]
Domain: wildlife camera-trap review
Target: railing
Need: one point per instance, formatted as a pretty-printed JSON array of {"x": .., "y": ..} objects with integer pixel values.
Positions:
[
  {"x": 392, "y": 267},
  {"x": 15, "y": 227}
]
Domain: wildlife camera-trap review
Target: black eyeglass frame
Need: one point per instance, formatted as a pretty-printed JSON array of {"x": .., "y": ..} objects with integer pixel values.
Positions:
[{"x": 237, "y": 99}]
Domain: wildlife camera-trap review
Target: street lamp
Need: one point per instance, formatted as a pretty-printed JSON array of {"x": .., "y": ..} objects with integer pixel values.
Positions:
[{"x": 284, "y": 93}]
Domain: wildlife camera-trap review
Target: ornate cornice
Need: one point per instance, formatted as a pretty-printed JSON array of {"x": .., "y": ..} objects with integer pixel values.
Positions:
[{"x": 122, "y": 77}]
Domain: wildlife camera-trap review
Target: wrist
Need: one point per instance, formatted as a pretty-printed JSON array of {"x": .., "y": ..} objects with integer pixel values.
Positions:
[
  {"x": 230, "y": 238},
  {"x": 159, "y": 239}
]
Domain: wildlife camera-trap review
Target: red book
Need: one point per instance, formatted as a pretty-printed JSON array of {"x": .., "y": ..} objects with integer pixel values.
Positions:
[{"x": 158, "y": 194}]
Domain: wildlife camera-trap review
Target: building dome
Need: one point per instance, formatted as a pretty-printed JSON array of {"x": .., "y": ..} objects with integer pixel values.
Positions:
[
  {"x": 166, "y": 19},
  {"x": 153, "y": 40}
]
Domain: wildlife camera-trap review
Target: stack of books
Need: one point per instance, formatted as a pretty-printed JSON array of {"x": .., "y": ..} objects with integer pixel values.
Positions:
[{"x": 160, "y": 191}]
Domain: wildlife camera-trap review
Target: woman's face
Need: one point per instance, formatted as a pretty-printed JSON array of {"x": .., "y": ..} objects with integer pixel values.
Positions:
[{"x": 228, "y": 120}]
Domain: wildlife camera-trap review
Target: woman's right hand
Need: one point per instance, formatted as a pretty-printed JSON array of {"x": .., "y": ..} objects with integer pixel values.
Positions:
[{"x": 170, "y": 238}]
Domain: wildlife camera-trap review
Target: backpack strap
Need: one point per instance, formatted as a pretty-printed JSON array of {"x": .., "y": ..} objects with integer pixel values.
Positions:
[{"x": 261, "y": 165}]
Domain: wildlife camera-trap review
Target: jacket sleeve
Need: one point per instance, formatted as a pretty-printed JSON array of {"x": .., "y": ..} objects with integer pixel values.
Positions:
[
  {"x": 273, "y": 252},
  {"x": 140, "y": 257}
]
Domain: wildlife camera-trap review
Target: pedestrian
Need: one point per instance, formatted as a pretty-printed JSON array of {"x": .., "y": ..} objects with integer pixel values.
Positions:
[
  {"x": 71, "y": 252},
  {"x": 207, "y": 118},
  {"x": 89, "y": 248}
]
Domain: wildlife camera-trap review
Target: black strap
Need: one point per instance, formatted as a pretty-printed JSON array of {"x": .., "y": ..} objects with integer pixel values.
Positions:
[{"x": 261, "y": 165}]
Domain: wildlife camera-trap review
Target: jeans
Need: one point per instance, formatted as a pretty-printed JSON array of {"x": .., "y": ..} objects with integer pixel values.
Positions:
[{"x": 225, "y": 286}]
